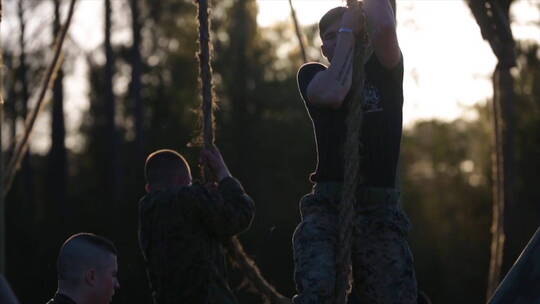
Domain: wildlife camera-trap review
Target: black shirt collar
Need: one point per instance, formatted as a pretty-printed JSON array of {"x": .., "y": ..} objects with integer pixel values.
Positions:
[{"x": 63, "y": 299}]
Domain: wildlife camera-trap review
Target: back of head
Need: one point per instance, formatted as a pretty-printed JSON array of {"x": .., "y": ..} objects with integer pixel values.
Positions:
[
  {"x": 332, "y": 16},
  {"x": 80, "y": 253},
  {"x": 166, "y": 168}
]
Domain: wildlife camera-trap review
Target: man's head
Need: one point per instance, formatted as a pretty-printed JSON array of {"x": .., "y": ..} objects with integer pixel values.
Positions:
[
  {"x": 87, "y": 268},
  {"x": 328, "y": 29},
  {"x": 166, "y": 168}
]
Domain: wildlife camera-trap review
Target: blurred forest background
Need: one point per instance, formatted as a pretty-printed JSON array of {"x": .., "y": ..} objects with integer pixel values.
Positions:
[{"x": 143, "y": 96}]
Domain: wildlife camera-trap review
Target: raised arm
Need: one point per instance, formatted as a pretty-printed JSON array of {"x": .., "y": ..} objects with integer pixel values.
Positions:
[
  {"x": 330, "y": 87},
  {"x": 382, "y": 27},
  {"x": 227, "y": 210}
]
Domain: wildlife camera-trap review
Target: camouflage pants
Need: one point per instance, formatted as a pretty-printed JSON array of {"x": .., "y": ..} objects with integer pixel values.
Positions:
[{"x": 382, "y": 263}]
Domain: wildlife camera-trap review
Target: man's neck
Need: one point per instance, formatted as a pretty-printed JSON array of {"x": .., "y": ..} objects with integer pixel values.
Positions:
[
  {"x": 161, "y": 187},
  {"x": 75, "y": 296}
]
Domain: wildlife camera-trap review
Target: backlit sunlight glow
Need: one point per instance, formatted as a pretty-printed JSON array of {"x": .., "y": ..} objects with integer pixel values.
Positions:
[{"x": 448, "y": 65}]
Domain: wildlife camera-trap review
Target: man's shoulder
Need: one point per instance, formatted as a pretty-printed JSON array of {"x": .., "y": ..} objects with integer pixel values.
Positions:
[
  {"x": 163, "y": 199},
  {"x": 173, "y": 197},
  {"x": 171, "y": 193},
  {"x": 308, "y": 70},
  {"x": 312, "y": 65},
  {"x": 304, "y": 76}
]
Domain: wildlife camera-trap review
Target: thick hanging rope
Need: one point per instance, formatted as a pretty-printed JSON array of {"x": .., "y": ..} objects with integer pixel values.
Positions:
[
  {"x": 233, "y": 246},
  {"x": 253, "y": 274},
  {"x": 48, "y": 81},
  {"x": 352, "y": 167},
  {"x": 492, "y": 18},
  {"x": 206, "y": 75}
]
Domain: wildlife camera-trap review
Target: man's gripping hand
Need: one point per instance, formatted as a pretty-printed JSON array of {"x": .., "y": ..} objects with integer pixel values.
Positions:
[
  {"x": 352, "y": 19},
  {"x": 212, "y": 159}
]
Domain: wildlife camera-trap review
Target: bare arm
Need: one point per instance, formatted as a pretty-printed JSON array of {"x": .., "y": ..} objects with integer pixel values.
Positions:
[
  {"x": 382, "y": 25},
  {"x": 330, "y": 87}
]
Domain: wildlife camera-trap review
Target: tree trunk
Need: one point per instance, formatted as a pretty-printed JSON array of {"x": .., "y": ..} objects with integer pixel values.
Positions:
[
  {"x": 10, "y": 108},
  {"x": 112, "y": 145},
  {"x": 493, "y": 19},
  {"x": 298, "y": 32},
  {"x": 497, "y": 225},
  {"x": 238, "y": 91},
  {"x": 135, "y": 88},
  {"x": 2, "y": 201},
  {"x": 26, "y": 183},
  {"x": 502, "y": 167},
  {"x": 57, "y": 153}
]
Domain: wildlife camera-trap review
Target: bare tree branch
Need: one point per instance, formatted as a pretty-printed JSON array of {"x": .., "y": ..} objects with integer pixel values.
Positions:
[{"x": 47, "y": 83}]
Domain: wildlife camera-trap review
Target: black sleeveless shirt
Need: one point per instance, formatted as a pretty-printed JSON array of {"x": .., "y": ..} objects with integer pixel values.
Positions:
[{"x": 381, "y": 129}]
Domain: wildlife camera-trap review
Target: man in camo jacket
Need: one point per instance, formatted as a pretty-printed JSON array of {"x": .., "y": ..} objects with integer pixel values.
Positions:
[{"x": 182, "y": 226}]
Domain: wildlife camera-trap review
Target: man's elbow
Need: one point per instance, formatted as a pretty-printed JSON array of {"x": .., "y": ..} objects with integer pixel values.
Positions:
[
  {"x": 245, "y": 225},
  {"x": 242, "y": 224},
  {"x": 245, "y": 217},
  {"x": 326, "y": 100}
]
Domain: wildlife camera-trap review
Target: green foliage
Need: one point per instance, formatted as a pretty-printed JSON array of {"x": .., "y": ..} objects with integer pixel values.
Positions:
[
  {"x": 447, "y": 195},
  {"x": 266, "y": 137}
]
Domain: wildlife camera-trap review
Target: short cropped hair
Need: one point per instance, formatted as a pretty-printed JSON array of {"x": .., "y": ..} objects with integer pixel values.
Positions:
[
  {"x": 331, "y": 17},
  {"x": 163, "y": 166},
  {"x": 81, "y": 252}
]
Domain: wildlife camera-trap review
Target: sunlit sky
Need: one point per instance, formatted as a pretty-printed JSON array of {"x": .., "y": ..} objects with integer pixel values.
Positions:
[{"x": 447, "y": 64}]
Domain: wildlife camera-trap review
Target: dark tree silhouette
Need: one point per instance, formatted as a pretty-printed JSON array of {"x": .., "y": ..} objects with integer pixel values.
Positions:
[
  {"x": 57, "y": 154},
  {"x": 26, "y": 183},
  {"x": 136, "y": 71},
  {"x": 111, "y": 132},
  {"x": 494, "y": 21}
]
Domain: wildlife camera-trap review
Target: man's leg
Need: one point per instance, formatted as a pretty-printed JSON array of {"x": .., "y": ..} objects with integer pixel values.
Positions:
[
  {"x": 314, "y": 244},
  {"x": 382, "y": 261}
]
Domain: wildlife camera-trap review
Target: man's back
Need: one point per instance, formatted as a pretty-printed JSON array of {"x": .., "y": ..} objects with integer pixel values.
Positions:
[{"x": 180, "y": 234}]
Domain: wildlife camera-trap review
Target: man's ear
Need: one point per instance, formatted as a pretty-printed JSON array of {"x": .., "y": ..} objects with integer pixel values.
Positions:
[
  {"x": 147, "y": 188},
  {"x": 90, "y": 277}
]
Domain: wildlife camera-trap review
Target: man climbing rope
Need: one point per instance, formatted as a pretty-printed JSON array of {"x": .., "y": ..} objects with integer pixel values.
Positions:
[
  {"x": 182, "y": 226},
  {"x": 381, "y": 261}
]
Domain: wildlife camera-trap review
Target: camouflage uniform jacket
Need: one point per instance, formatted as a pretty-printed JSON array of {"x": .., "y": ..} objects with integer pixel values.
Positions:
[{"x": 180, "y": 234}]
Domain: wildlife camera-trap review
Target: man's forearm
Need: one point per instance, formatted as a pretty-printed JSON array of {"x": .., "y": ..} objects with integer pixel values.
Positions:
[
  {"x": 379, "y": 15},
  {"x": 329, "y": 88},
  {"x": 382, "y": 30},
  {"x": 341, "y": 65}
]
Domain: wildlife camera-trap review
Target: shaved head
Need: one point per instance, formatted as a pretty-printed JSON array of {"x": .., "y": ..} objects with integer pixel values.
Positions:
[
  {"x": 166, "y": 168},
  {"x": 332, "y": 16},
  {"x": 81, "y": 252}
]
